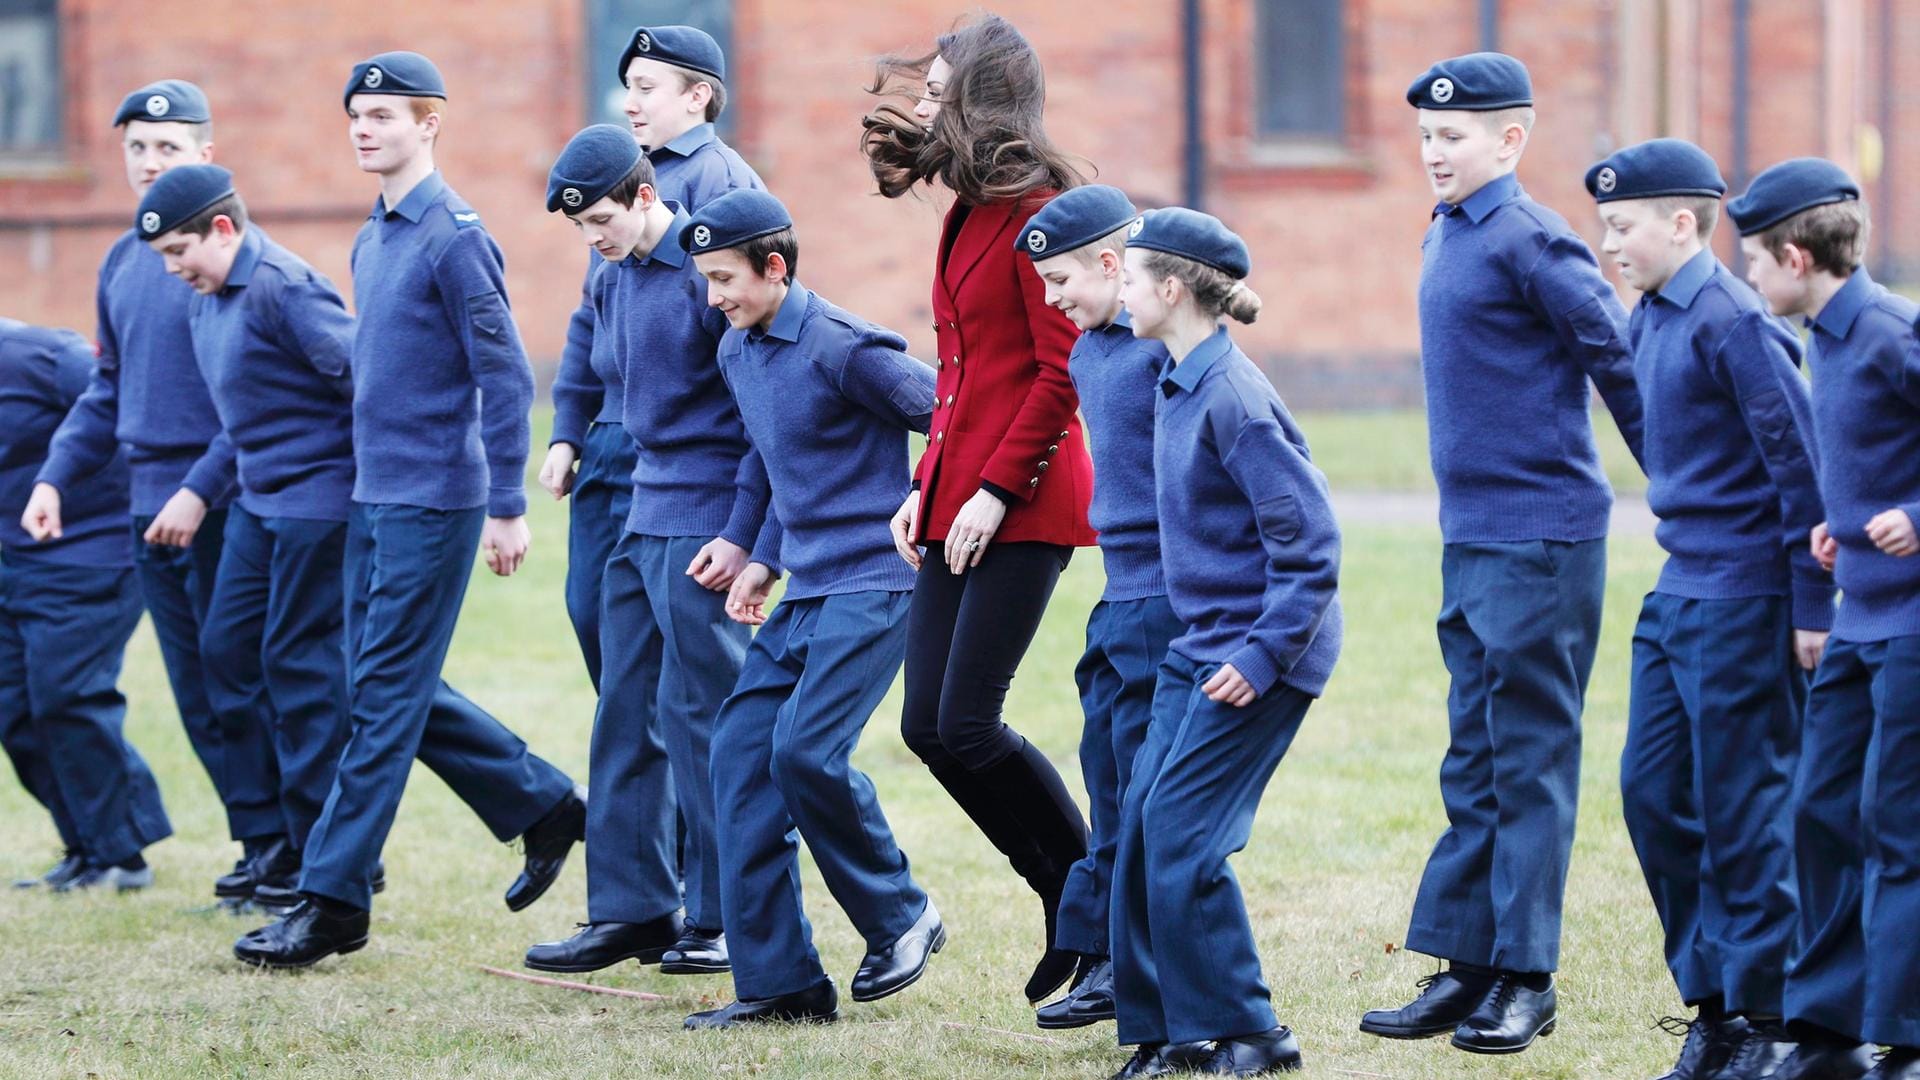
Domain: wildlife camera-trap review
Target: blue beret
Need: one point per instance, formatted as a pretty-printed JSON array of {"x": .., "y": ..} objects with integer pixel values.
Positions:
[
  {"x": 405, "y": 73},
  {"x": 1655, "y": 168},
  {"x": 740, "y": 215},
  {"x": 1075, "y": 218},
  {"x": 172, "y": 100},
  {"x": 1786, "y": 189},
  {"x": 595, "y": 162},
  {"x": 179, "y": 194},
  {"x": 1191, "y": 234},
  {"x": 681, "y": 46},
  {"x": 1476, "y": 82}
]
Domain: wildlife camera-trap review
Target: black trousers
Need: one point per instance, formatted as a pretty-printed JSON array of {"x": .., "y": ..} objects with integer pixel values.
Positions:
[{"x": 966, "y": 635}]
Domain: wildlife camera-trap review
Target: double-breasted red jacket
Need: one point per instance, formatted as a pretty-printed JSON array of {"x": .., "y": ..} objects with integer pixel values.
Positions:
[{"x": 1006, "y": 412}]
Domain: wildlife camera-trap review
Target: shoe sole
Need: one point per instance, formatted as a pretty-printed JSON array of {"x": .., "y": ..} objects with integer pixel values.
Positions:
[
  {"x": 1545, "y": 1030},
  {"x": 683, "y": 967},
  {"x": 1072, "y": 1022},
  {"x": 261, "y": 962},
  {"x": 939, "y": 942},
  {"x": 1411, "y": 1033},
  {"x": 644, "y": 956}
]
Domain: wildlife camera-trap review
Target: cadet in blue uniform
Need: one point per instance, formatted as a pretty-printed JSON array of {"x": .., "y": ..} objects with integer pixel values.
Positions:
[
  {"x": 440, "y": 395},
  {"x": 1854, "y": 978},
  {"x": 147, "y": 395},
  {"x": 1252, "y": 573},
  {"x": 1077, "y": 243},
  {"x": 827, "y": 399},
  {"x": 68, "y": 604},
  {"x": 1741, "y": 607},
  {"x": 1514, "y": 318},
  {"x": 671, "y": 655},
  {"x": 274, "y": 343}
]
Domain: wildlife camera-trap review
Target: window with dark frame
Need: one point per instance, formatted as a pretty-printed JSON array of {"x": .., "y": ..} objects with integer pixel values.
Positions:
[
  {"x": 1300, "y": 61},
  {"x": 610, "y": 25},
  {"x": 30, "y": 83}
]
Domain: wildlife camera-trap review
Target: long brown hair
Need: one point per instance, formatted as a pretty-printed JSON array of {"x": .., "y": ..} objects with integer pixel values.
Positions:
[{"x": 987, "y": 143}]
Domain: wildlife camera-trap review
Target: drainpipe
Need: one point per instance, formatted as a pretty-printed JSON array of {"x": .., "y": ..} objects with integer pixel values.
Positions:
[
  {"x": 1889, "y": 264},
  {"x": 1193, "y": 175},
  {"x": 1489, "y": 25},
  {"x": 1742, "y": 113}
]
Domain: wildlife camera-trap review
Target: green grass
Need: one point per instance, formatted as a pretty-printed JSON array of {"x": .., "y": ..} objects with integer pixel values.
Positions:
[
  {"x": 143, "y": 986},
  {"x": 1387, "y": 451}
]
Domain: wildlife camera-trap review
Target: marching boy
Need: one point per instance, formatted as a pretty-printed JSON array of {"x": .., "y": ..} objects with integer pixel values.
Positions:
[
  {"x": 274, "y": 343},
  {"x": 828, "y": 400},
  {"x": 1514, "y": 318},
  {"x": 1738, "y": 617},
  {"x": 1077, "y": 243},
  {"x": 1855, "y": 976}
]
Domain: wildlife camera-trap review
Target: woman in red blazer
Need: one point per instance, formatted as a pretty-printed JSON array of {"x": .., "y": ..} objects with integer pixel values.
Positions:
[{"x": 1001, "y": 495}]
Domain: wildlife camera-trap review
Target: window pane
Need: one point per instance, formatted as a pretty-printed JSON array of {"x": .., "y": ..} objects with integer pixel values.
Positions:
[
  {"x": 610, "y": 24},
  {"x": 1302, "y": 83},
  {"x": 30, "y": 82}
]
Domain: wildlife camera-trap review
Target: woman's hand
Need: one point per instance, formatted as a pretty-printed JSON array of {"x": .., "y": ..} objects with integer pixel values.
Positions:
[
  {"x": 904, "y": 521},
  {"x": 973, "y": 530}
]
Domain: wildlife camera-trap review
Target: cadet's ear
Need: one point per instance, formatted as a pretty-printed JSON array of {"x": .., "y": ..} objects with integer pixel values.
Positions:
[{"x": 776, "y": 267}]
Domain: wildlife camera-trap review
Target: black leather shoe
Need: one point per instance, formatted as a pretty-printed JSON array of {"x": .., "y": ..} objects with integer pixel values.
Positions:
[
  {"x": 900, "y": 964},
  {"x": 303, "y": 937},
  {"x": 818, "y": 1004},
  {"x": 603, "y": 944},
  {"x": 1511, "y": 1017},
  {"x": 547, "y": 843},
  {"x": 1761, "y": 1055},
  {"x": 256, "y": 854},
  {"x": 1089, "y": 1002},
  {"x": 1165, "y": 1059},
  {"x": 1711, "y": 1043},
  {"x": 128, "y": 876},
  {"x": 1254, "y": 1055},
  {"x": 698, "y": 952},
  {"x": 1446, "y": 999},
  {"x": 1900, "y": 1063},
  {"x": 279, "y": 892},
  {"x": 71, "y": 865},
  {"x": 1820, "y": 1060}
]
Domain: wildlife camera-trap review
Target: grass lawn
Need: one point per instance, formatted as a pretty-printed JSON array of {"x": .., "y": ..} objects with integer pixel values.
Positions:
[{"x": 144, "y": 987}]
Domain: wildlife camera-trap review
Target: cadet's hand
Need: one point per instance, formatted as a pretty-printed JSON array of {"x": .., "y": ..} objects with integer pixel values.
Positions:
[
  {"x": 1808, "y": 646},
  {"x": 178, "y": 521},
  {"x": 973, "y": 530},
  {"x": 747, "y": 599},
  {"x": 1825, "y": 548},
  {"x": 1892, "y": 532},
  {"x": 717, "y": 564},
  {"x": 42, "y": 518},
  {"x": 1230, "y": 687},
  {"x": 504, "y": 541},
  {"x": 556, "y": 473},
  {"x": 905, "y": 520}
]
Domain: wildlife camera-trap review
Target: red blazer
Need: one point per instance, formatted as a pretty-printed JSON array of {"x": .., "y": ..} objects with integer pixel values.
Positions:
[{"x": 1006, "y": 412}]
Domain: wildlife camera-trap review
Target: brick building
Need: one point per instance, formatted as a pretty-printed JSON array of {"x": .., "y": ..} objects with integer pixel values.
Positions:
[{"x": 1285, "y": 117}]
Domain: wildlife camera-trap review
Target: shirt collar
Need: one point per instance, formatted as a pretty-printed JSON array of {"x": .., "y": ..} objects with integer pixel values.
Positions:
[
  {"x": 413, "y": 206},
  {"x": 1122, "y": 321},
  {"x": 1686, "y": 282},
  {"x": 245, "y": 260},
  {"x": 667, "y": 249},
  {"x": 690, "y": 140},
  {"x": 1483, "y": 202},
  {"x": 1845, "y": 305},
  {"x": 1187, "y": 373},
  {"x": 786, "y": 322}
]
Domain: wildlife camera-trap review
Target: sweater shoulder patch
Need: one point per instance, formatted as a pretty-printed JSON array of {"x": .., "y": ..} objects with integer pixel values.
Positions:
[{"x": 464, "y": 219}]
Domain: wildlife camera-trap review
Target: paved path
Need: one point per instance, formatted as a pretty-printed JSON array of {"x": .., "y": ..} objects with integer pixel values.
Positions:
[{"x": 1630, "y": 514}]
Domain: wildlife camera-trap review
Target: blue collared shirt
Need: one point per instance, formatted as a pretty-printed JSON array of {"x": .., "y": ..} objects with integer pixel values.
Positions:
[
  {"x": 1729, "y": 472},
  {"x": 1865, "y": 359},
  {"x": 276, "y": 345},
  {"x": 441, "y": 385},
  {"x": 145, "y": 392},
  {"x": 1251, "y": 548},
  {"x": 699, "y": 167},
  {"x": 42, "y": 373},
  {"x": 828, "y": 399},
  {"x": 1117, "y": 377},
  {"x": 1514, "y": 319}
]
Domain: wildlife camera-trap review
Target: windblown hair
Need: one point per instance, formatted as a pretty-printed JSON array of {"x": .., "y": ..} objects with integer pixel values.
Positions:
[
  {"x": 988, "y": 142},
  {"x": 1216, "y": 292}
]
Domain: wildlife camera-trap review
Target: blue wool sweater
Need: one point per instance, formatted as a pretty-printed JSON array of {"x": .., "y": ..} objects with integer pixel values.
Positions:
[
  {"x": 1729, "y": 473},
  {"x": 1514, "y": 318},
  {"x": 692, "y": 449},
  {"x": 42, "y": 373},
  {"x": 275, "y": 344},
  {"x": 699, "y": 167},
  {"x": 828, "y": 399},
  {"x": 441, "y": 385},
  {"x": 1252, "y": 549},
  {"x": 587, "y": 388},
  {"x": 1117, "y": 377},
  {"x": 1865, "y": 359},
  {"x": 145, "y": 392}
]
